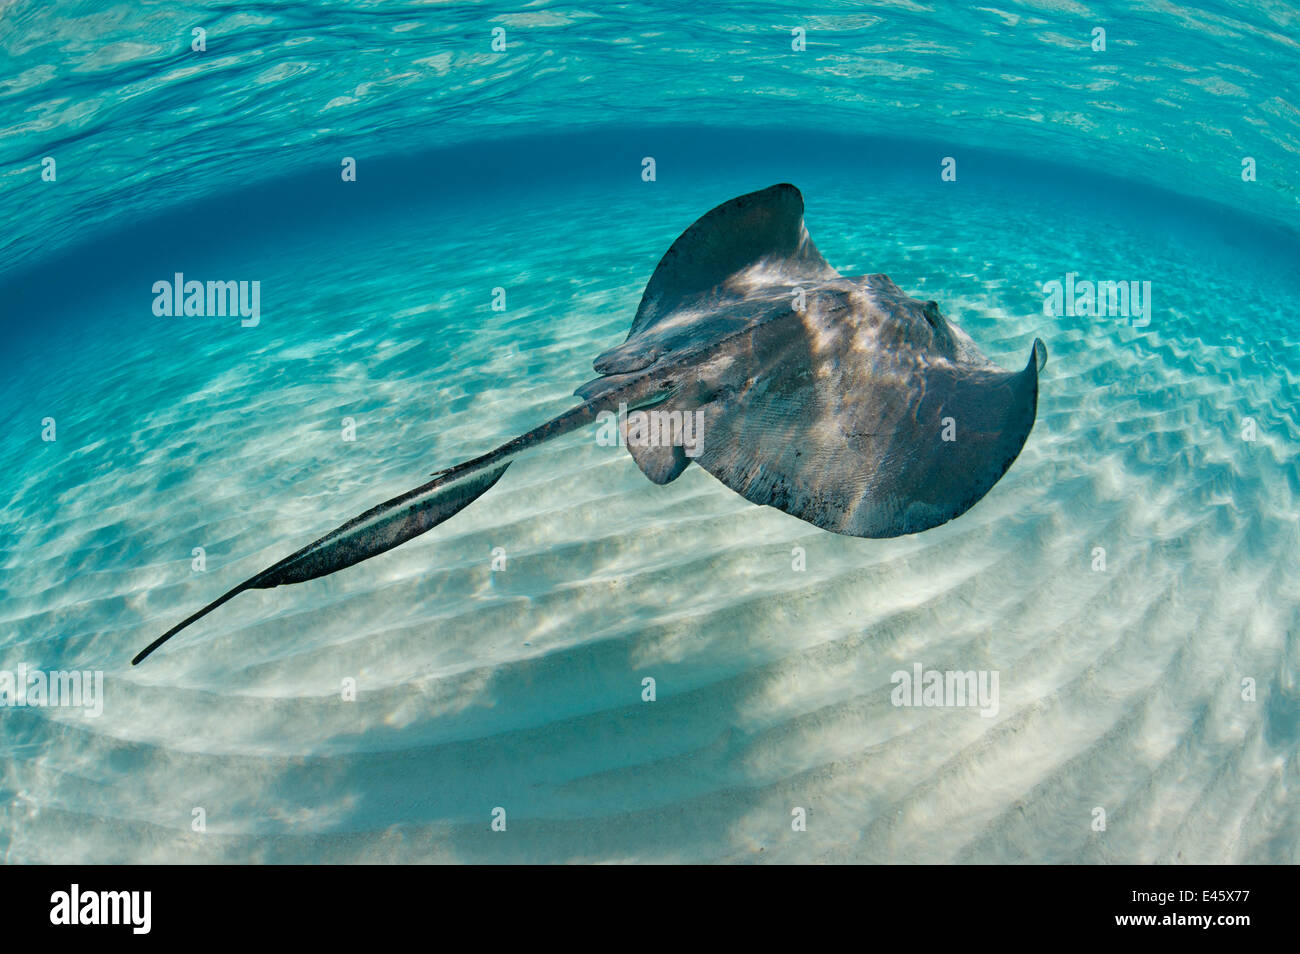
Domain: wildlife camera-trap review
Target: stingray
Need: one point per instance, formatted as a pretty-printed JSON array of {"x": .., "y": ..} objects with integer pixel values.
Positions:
[{"x": 841, "y": 401}]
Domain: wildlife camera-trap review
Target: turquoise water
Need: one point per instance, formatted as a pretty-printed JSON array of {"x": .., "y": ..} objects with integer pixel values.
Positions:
[{"x": 1120, "y": 688}]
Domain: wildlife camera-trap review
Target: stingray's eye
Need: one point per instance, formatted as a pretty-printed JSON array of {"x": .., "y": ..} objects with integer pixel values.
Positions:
[{"x": 931, "y": 312}]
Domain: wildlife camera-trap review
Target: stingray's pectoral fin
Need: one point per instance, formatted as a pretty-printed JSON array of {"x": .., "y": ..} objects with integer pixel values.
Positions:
[
  {"x": 1040, "y": 354},
  {"x": 376, "y": 531},
  {"x": 861, "y": 448}
]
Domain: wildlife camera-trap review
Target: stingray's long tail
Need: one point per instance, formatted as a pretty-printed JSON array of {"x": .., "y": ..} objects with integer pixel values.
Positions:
[{"x": 395, "y": 521}]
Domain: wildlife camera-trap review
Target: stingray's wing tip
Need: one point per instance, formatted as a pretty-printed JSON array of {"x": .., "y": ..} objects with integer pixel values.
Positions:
[{"x": 1039, "y": 357}]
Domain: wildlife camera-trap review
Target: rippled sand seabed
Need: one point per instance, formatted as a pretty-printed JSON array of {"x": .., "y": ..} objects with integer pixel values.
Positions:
[{"x": 522, "y": 689}]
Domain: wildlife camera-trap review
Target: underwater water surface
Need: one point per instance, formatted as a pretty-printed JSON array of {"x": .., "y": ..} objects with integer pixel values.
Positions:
[{"x": 1167, "y": 441}]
